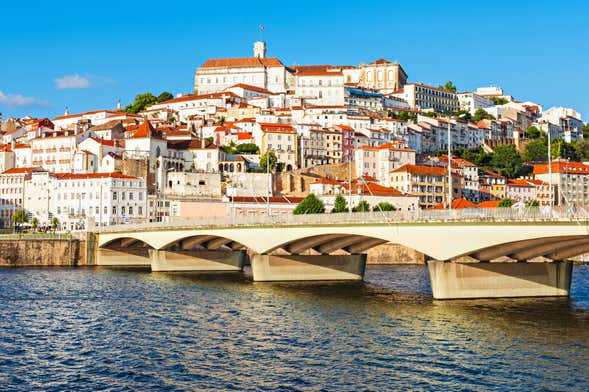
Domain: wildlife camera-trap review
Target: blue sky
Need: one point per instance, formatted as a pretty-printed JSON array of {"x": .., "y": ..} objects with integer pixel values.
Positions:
[{"x": 87, "y": 55}]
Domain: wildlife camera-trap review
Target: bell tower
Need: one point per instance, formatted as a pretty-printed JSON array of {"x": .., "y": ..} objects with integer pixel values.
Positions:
[{"x": 260, "y": 49}]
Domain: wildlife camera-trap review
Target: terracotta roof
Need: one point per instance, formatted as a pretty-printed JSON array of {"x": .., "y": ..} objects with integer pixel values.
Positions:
[
  {"x": 562, "y": 167},
  {"x": 327, "y": 181},
  {"x": 242, "y": 62},
  {"x": 489, "y": 204},
  {"x": 84, "y": 114},
  {"x": 104, "y": 142},
  {"x": 456, "y": 204},
  {"x": 381, "y": 61},
  {"x": 244, "y": 135},
  {"x": 273, "y": 199},
  {"x": 324, "y": 72},
  {"x": 251, "y": 88},
  {"x": 82, "y": 176},
  {"x": 456, "y": 162},
  {"x": 194, "y": 97},
  {"x": 422, "y": 169},
  {"x": 145, "y": 130},
  {"x": 106, "y": 126},
  {"x": 20, "y": 170},
  {"x": 273, "y": 127}
]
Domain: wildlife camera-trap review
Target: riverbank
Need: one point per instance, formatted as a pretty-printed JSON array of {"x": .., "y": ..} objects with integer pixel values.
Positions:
[{"x": 31, "y": 251}]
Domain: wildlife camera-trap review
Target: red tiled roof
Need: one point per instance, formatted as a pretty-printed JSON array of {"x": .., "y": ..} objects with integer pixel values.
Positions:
[
  {"x": 562, "y": 167},
  {"x": 242, "y": 62},
  {"x": 273, "y": 199},
  {"x": 327, "y": 181},
  {"x": 193, "y": 97},
  {"x": 489, "y": 204},
  {"x": 83, "y": 176},
  {"x": 251, "y": 88},
  {"x": 20, "y": 170},
  {"x": 422, "y": 169},
  {"x": 145, "y": 130},
  {"x": 104, "y": 142},
  {"x": 456, "y": 204}
]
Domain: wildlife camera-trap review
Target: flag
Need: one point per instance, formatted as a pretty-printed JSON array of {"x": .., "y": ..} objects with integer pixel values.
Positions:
[{"x": 262, "y": 28}]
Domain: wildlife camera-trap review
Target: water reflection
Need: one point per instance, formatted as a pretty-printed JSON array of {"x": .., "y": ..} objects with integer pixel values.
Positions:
[{"x": 117, "y": 329}]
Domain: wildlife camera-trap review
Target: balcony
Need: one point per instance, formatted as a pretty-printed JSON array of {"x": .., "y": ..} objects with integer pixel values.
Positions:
[
  {"x": 51, "y": 150},
  {"x": 64, "y": 149},
  {"x": 62, "y": 161}
]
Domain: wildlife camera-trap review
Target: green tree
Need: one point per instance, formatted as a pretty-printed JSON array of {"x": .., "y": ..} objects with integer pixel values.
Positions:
[
  {"x": 20, "y": 217},
  {"x": 505, "y": 203},
  {"x": 506, "y": 160},
  {"x": 280, "y": 166},
  {"x": 464, "y": 115},
  {"x": 582, "y": 149},
  {"x": 533, "y": 132},
  {"x": 230, "y": 149},
  {"x": 536, "y": 151},
  {"x": 362, "y": 206},
  {"x": 586, "y": 131},
  {"x": 449, "y": 86},
  {"x": 533, "y": 203},
  {"x": 383, "y": 206},
  {"x": 221, "y": 121},
  {"x": 481, "y": 114},
  {"x": 141, "y": 102},
  {"x": 340, "y": 204},
  {"x": 309, "y": 205},
  {"x": 499, "y": 100},
  {"x": 248, "y": 148},
  {"x": 54, "y": 224},
  {"x": 268, "y": 157},
  {"x": 209, "y": 139},
  {"x": 164, "y": 96},
  {"x": 35, "y": 223}
]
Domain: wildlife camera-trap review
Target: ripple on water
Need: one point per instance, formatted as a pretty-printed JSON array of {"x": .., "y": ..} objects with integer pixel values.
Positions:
[{"x": 99, "y": 329}]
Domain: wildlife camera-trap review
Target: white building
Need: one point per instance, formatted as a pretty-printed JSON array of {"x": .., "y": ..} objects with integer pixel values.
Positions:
[
  {"x": 320, "y": 87},
  {"x": 420, "y": 97},
  {"x": 471, "y": 102},
  {"x": 266, "y": 72},
  {"x": 81, "y": 200},
  {"x": 379, "y": 161}
]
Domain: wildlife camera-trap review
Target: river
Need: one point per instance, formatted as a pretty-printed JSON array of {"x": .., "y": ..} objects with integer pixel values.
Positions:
[{"x": 100, "y": 329}]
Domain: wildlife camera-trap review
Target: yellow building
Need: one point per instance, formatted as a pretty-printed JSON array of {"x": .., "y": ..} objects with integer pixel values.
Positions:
[
  {"x": 383, "y": 75},
  {"x": 282, "y": 140}
]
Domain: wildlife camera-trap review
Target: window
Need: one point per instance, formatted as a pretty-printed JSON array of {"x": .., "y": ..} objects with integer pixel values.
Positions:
[
  {"x": 130, "y": 210},
  {"x": 114, "y": 210},
  {"x": 114, "y": 195}
]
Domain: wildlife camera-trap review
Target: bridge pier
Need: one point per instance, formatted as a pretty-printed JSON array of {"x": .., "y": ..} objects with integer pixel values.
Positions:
[
  {"x": 451, "y": 280},
  {"x": 123, "y": 257},
  {"x": 266, "y": 268},
  {"x": 196, "y": 260}
]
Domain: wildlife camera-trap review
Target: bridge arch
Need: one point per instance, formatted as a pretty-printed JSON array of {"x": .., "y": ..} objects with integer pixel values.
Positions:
[
  {"x": 329, "y": 243},
  {"x": 125, "y": 242},
  {"x": 203, "y": 241}
]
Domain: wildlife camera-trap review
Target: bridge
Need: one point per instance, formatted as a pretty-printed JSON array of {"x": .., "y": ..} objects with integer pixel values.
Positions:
[{"x": 471, "y": 253}]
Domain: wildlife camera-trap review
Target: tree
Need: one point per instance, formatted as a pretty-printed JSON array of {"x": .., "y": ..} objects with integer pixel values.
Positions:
[
  {"x": 268, "y": 156},
  {"x": 582, "y": 149},
  {"x": 481, "y": 114},
  {"x": 585, "y": 131},
  {"x": 340, "y": 204},
  {"x": 533, "y": 132},
  {"x": 506, "y": 160},
  {"x": 164, "y": 96},
  {"x": 20, "y": 217},
  {"x": 505, "y": 203},
  {"x": 35, "y": 223},
  {"x": 533, "y": 203},
  {"x": 383, "y": 206},
  {"x": 141, "y": 102},
  {"x": 499, "y": 100},
  {"x": 248, "y": 148},
  {"x": 221, "y": 121},
  {"x": 449, "y": 86},
  {"x": 209, "y": 139},
  {"x": 54, "y": 223},
  {"x": 464, "y": 115},
  {"x": 310, "y": 205},
  {"x": 362, "y": 206},
  {"x": 536, "y": 151}
]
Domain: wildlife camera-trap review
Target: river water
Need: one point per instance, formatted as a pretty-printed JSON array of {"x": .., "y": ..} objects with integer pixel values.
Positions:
[{"x": 100, "y": 329}]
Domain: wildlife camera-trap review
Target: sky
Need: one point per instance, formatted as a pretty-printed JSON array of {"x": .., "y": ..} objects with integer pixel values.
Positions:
[{"x": 87, "y": 55}]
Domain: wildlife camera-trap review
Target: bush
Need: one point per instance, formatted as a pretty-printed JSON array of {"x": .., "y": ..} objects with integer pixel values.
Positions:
[
  {"x": 310, "y": 205},
  {"x": 340, "y": 204},
  {"x": 384, "y": 207},
  {"x": 363, "y": 206},
  {"x": 506, "y": 203}
]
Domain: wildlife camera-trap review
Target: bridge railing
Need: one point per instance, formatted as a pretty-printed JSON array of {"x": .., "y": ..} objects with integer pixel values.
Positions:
[{"x": 528, "y": 214}]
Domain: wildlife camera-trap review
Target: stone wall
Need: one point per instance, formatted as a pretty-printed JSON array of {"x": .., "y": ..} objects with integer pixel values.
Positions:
[
  {"x": 394, "y": 254},
  {"x": 42, "y": 252}
]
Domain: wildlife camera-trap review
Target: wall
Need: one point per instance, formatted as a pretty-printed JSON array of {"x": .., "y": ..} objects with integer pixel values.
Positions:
[
  {"x": 42, "y": 252},
  {"x": 394, "y": 254}
]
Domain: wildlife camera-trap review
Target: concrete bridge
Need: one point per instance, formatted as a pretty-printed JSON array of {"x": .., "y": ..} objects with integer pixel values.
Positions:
[{"x": 472, "y": 254}]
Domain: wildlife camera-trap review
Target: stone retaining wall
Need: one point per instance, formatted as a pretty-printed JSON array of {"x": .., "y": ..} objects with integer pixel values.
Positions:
[{"x": 42, "y": 252}]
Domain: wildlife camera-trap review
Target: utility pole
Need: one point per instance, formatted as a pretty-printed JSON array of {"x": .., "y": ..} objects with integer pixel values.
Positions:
[
  {"x": 269, "y": 183},
  {"x": 350, "y": 186},
  {"x": 550, "y": 191},
  {"x": 449, "y": 168}
]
